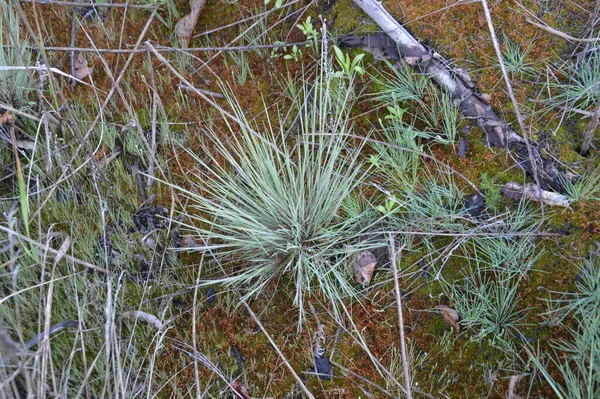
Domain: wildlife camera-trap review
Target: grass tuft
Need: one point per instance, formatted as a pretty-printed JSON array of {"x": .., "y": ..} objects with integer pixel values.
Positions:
[
  {"x": 273, "y": 205},
  {"x": 15, "y": 85}
]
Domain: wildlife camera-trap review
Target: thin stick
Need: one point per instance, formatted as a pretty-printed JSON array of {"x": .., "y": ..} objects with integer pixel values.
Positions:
[
  {"x": 588, "y": 135},
  {"x": 511, "y": 93},
  {"x": 164, "y": 49},
  {"x": 363, "y": 379},
  {"x": 90, "y": 4},
  {"x": 194, "y": 89},
  {"x": 17, "y": 112},
  {"x": 394, "y": 254},
  {"x": 281, "y": 355},
  {"x": 562, "y": 34}
]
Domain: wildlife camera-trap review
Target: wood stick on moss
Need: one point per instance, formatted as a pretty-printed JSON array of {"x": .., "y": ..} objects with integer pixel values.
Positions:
[
  {"x": 588, "y": 135},
  {"x": 513, "y": 99},
  {"x": 274, "y": 345},
  {"x": 90, "y": 4},
  {"x": 462, "y": 90},
  {"x": 394, "y": 253},
  {"x": 165, "y": 49}
]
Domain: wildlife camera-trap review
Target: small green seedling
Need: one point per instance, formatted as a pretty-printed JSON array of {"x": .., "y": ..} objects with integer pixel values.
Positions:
[
  {"x": 389, "y": 206},
  {"x": 395, "y": 113},
  {"x": 309, "y": 30},
  {"x": 294, "y": 55},
  {"x": 278, "y": 3},
  {"x": 349, "y": 67}
]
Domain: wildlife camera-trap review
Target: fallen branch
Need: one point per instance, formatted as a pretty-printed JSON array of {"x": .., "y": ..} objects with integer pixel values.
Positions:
[
  {"x": 516, "y": 191},
  {"x": 460, "y": 87},
  {"x": 513, "y": 99},
  {"x": 90, "y": 4}
]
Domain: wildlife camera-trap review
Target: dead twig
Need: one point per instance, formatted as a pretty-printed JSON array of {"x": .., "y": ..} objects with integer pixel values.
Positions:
[
  {"x": 534, "y": 163},
  {"x": 90, "y": 4},
  {"x": 515, "y": 191},
  {"x": 272, "y": 342},
  {"x": 588, "y": 135},
  {"x": 394, "y": 253},
  {"x": 562, "y": 34},
  {"x": 164, "y": 49},
  {"x": 194, "y": 89}
]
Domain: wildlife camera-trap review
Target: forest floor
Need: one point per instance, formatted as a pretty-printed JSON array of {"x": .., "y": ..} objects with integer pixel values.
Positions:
[{"x": 107, "y": 186}]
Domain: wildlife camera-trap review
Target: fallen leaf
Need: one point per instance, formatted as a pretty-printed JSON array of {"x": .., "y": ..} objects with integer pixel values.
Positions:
[
  {"x": 102, "y": 152},
  {"x": 185, "y": 26},
  {"x": 81, "y": 67},
  {"x": 190, "y": 242},
  {"x": 363, "y": 267},
  {"x": 6, "y": 117},
  {"x": 450, "y": 316},
  {"x": 323, "y": 367},
  {"x": 240, "y": 388}
]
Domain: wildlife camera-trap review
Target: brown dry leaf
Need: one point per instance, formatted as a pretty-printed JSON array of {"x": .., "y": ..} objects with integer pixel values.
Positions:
[
  {"x": 363, "y": 267},
  {"x": 185, "y": 26},
  {"x": 102, "y": 152},
  {"x": 450, "y": 316},
  {"x": 191, "y": 242},
  {"x": 240, "y": 389},
  {"x": 6, "y": 117},
  {"x": 81, "y": 67}
]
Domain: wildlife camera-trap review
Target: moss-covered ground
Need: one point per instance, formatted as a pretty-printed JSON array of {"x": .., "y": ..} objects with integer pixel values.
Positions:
[{"x": 444, "y": 363}]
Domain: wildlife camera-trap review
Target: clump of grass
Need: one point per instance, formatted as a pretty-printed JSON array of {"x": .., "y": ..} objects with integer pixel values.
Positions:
[
  {"x": 273, "y": 206},
  {"x": 585, "y": 188},
  {"x": 488, "y": 304},
  {"x": 579, "y": 359},
  {"x": 15, "y": 85},
  {"x": 582, "y": 89},
  {"x": 486, "y": 296},
  {"x": 515, "y": 59},
  {"x": 420, "y": 101}
]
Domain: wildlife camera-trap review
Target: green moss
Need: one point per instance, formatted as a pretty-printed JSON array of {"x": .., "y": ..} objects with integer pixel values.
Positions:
[{"x": 348, "y": 19}]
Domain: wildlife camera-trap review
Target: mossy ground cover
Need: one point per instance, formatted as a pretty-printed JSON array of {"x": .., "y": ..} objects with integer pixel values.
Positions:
[{"x": 89, "y": 191}]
